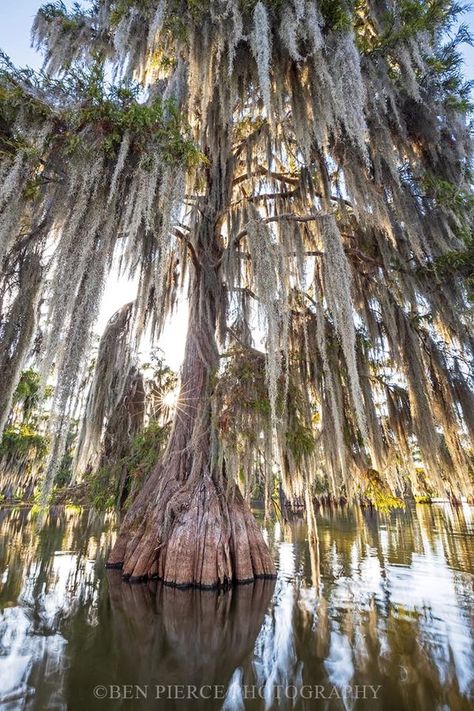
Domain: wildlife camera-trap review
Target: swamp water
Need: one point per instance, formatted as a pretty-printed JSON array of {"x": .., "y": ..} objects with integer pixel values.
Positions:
[{"x": 379, "y": 616}]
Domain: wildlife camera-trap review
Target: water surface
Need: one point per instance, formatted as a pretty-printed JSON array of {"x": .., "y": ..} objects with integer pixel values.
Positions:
[{"x": 378, "y": 615}]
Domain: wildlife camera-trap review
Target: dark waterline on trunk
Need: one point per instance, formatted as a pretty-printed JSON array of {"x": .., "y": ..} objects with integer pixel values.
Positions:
[{"x": 384, "y": 602}]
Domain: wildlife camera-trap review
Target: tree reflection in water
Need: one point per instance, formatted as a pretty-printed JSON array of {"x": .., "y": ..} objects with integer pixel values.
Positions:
[
  {"x": 186, "y": 637},
  {"x": 361, "y": 598}
]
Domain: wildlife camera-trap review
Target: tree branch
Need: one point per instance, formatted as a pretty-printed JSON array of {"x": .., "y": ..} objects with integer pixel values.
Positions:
[
  {"x": 253, "y": 350},
  {"x": 190, "y": 246},
  {"x": 261, "y": 171},
  {"x": 276, "y": 218}
]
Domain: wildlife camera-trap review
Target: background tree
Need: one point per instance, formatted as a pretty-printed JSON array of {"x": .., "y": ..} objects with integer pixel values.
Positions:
[
  {"x": 303, "y": 168},
  {"x": 24, "y": 445},
  {"x": 126, "y": 421}
]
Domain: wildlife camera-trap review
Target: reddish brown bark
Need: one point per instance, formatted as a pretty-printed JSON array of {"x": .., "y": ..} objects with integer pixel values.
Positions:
[{"x": 189, "y": 526}]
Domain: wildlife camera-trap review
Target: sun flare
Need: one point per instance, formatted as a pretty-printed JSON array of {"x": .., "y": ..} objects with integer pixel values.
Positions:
[{"x": 170, "y": 399}]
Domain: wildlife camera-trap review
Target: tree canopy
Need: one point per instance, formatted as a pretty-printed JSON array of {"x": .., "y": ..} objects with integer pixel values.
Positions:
[{"x": 332, "y": 140}]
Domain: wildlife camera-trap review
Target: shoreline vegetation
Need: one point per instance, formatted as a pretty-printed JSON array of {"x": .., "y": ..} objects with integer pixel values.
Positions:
[{"x": 78, "y": 497}]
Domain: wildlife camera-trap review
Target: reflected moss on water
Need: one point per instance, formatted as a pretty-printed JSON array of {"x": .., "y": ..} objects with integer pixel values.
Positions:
[{"x": 381, "y": 600}]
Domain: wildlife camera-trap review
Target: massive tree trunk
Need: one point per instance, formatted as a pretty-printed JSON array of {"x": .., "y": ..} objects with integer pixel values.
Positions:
[{"x": 189, "y": 525}]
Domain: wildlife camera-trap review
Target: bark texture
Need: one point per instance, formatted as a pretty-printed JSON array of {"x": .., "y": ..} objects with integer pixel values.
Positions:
[{"x": 189, "y": 526}]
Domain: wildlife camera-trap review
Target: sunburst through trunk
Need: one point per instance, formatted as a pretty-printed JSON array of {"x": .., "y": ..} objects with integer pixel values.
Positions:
[{"x": 190, "y": 525}]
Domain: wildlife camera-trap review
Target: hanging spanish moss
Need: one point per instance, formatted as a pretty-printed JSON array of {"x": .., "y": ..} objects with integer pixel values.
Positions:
[
  {"x": 124, "y": 424},
  {"x": 19, "y": 295},
  {"x": 303, "y": 169},
  {"x": 111, "y": 375},
  {"x": 337, "y": 291},
  {"x": 23, "y": 444}
]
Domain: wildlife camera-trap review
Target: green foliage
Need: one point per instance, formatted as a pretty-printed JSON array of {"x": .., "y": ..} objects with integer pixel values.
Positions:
[
  {"x": 120, "y": 9},
  {"x": 114, "y": 110},
  {"x": 57, "y": 12},
  {"x": 28, "y": 398},
  {"x": 117, "y": 110},
  {"x": 174, "y": 22},
  {"x": 300, "y": 440},
  {"x": 418, "y": 16},
  {"x": 336, "y": 14},
  {"x": 163, "y": 376},
  {"x": 300, "y": 434},
  {"x": 247, "y": 6},
  {"x": 407, "y": 20},
  {"x": 145, "y": 451},
  {"x": 29, "y": 392},
  {"x": 21, "y": 441},
  {"x": 446, "y": 68},
  {"x": 94, "y": 114},
  {"x": 102, "y": 488},
  {"x": 146, "y": 448},
  {"x": 162, "y": 381},
  {"x": 457, "y": 260},
  {"x": 378, "y": 494},
  {"x": 63, "y": 477},
  {"x": 65, "y": 469},
  {"x": 458, "y": 263},
  {"x": 448, "y": 194},
  {"x": 244, "y": 393}
]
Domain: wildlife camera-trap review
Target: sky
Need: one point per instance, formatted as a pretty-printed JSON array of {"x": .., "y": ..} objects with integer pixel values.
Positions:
[{"x": 16, "y": 18}]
